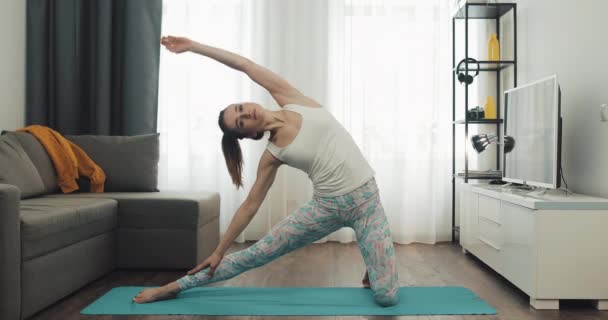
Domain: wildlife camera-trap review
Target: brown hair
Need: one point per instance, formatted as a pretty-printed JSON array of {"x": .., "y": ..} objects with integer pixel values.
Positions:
[{"x": 232, "y": 150}]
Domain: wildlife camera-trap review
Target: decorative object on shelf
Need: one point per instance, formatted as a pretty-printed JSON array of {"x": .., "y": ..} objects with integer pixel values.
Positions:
[
  {"x": 493, "y": 48},
  {"x": 476, "y": 113},
  {"x": 490, "y": 108},
  {"x": 481, "y": 141},
  {"x": 463, "y": 77}
]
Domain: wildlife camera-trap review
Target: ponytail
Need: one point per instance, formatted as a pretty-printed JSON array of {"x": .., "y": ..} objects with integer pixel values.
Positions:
[{"x": 234, "y": 158}]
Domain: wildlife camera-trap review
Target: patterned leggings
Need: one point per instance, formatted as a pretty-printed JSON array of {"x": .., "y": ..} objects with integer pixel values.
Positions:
[{"x": 360, "y": 209}]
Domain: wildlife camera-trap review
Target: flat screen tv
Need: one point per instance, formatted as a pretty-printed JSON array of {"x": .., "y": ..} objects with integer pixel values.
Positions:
[{"x": 532, "y": 117}]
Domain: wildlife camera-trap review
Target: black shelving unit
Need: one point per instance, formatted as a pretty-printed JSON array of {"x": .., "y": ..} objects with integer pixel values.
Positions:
[{"x": 488, "y": 12}]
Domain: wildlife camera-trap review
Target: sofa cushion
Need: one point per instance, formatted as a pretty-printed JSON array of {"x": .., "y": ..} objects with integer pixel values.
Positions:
[
  {"x": 159, "y": 210},
  {"x": 17, "y": 169},
  {"x": 40, "y": 158},
  {"x": 129, "y": 162},
  {"x": 49, "y": 224}
]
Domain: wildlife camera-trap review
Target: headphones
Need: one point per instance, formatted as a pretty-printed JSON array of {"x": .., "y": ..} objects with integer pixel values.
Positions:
[{"x": 466, "y": 78}]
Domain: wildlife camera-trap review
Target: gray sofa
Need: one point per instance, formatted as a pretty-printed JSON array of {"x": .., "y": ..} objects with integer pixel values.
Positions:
[{"x": 52, "y": 244}]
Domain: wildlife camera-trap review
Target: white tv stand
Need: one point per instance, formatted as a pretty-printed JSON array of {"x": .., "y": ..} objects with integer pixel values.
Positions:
[{"x": 551, "y": 247}]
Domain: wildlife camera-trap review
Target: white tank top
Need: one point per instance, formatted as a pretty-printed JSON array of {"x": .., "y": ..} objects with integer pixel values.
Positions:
[{"x": 326, "y": 152}]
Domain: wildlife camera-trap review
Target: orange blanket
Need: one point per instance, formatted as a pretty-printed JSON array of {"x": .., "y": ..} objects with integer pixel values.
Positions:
[{"x": 70, "y": 161}]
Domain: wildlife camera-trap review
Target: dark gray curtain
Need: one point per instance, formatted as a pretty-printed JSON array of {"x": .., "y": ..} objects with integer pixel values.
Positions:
[{"x": 92, "y": 65}]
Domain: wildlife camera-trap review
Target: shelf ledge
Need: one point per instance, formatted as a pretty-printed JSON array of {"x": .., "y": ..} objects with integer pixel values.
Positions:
[
  {"x": 482, "y": 121},
  {"x": 483, "y": 10}
]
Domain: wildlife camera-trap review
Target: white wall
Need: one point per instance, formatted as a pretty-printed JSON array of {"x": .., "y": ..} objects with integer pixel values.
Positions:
[
  {"x": 569, "y": 38},
  {"x": 12, "y": 64}
]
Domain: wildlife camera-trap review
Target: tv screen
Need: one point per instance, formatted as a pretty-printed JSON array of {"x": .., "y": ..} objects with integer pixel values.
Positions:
[{"x": 532, "y": 118}]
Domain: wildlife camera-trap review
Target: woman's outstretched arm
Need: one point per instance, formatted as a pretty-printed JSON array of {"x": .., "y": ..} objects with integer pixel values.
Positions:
[
  {"x": 283, "y": 92},
  {"x": 267, "y": 170}
]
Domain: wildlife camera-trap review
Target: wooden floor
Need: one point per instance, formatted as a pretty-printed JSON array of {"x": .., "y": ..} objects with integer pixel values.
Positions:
[{"x": 335, "y": 264}]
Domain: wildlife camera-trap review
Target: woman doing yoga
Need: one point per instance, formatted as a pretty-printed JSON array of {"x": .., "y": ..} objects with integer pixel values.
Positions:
[{"x": 304, "y": 135}]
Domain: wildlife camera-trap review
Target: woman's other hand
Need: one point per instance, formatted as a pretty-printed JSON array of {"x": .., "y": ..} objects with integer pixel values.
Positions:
[
  {"x": 176, "y": 44},
  {"x": 212, "y": 262}
]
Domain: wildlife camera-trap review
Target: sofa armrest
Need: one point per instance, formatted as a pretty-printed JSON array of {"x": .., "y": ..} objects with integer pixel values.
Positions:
[{"x": 10, "y": 252}]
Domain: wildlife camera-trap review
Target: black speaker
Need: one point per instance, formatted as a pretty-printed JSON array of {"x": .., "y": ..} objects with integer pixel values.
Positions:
[{"x": 466, "y": 78}]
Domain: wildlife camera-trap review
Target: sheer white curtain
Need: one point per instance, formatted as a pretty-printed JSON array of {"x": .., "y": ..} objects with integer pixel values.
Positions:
[
  {"x": 389, "y": 85},
  {"x": 381, "y": 67}
]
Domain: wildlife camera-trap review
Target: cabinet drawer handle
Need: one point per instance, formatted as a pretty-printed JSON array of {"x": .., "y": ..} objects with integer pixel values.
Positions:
[
  {"x": 490, "y": 220},
  {"x": 482, "y": 239}
]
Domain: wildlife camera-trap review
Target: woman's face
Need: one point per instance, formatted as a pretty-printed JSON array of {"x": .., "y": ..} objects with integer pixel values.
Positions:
[{"x": 244, "y": 117}]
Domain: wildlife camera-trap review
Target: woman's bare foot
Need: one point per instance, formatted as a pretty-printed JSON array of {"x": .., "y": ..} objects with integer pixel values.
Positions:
[
  {"x": 366, "y": 281},
  {"x": 169, "y": 291}
]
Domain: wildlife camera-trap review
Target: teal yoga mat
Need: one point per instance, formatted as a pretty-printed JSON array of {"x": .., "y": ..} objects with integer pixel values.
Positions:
[{"x": 292, "y": 301}]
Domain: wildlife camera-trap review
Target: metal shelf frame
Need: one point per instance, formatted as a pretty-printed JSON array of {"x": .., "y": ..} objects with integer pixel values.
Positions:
[{"x": 492, "y": 11}]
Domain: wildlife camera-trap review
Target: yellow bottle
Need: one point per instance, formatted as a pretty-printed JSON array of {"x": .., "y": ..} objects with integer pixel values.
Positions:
[
  {"x": 493, "y": 48},
  {"x": 489, "y": 109}
]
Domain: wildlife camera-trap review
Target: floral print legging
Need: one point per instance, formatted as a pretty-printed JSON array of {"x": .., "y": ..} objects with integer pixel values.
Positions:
[{"x": 360, "y": 209}]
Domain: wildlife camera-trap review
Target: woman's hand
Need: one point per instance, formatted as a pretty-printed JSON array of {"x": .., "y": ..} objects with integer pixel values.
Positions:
[
  {"x": 212, "y": 262},
  {"x": 176, "y": 44}
]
